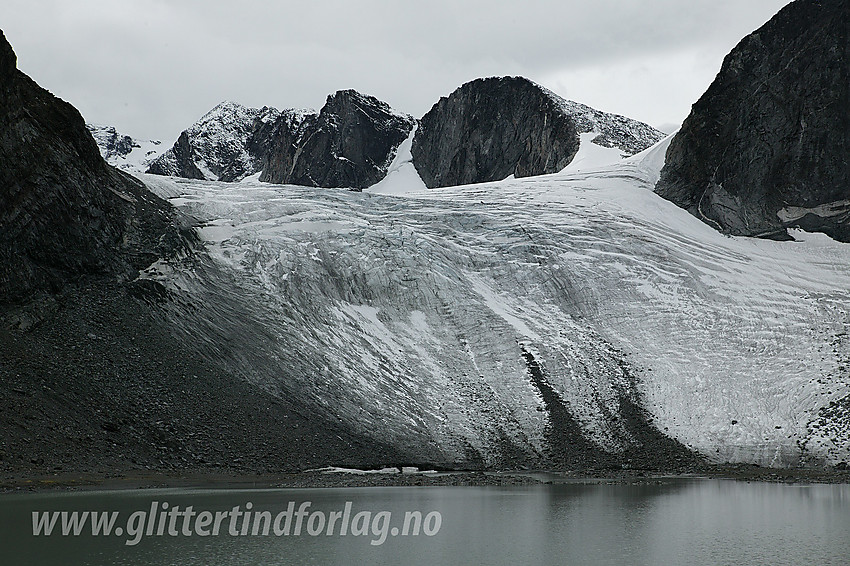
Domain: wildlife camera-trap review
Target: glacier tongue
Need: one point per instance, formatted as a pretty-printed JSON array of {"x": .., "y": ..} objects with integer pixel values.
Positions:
[{"x": 423, "y": 320}]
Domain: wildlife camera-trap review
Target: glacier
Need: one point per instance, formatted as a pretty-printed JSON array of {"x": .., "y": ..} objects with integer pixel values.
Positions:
[{"x": 420, "y": 317}]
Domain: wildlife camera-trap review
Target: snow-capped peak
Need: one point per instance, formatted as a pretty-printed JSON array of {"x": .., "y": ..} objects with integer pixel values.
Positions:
[
  {"x": 222, "y": 145},
  {"x": 231, "y": 117}
]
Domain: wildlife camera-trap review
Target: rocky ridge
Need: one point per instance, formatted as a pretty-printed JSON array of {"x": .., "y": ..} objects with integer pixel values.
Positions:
[
  {"x": 350, "y": 143},
  {"x": 486, "y": 130},
  {"x": 227, "y": 144},
  {"x": 66, "y": 213}
]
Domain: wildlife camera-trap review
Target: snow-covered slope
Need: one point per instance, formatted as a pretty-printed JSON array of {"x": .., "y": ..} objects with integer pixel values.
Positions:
[
  {"x": 125, "y": 152},
  {"x": 415, "y": 319},
  {"x": 591, "y": 155}
]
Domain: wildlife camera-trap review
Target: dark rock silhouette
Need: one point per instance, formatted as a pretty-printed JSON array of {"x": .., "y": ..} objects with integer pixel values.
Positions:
[
  {"x": 766, "y": 147},
  {"x": 92, "y": 379}
]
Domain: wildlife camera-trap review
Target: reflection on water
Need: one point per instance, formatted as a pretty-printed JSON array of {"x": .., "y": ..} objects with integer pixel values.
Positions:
[{"x": 688, "y": 522}]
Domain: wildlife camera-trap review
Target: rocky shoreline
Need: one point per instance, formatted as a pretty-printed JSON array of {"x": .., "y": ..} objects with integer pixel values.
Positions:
[{"x": 318, "y": 479}]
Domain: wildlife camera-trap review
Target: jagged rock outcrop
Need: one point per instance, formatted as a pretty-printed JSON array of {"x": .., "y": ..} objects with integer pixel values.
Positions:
[
  {"x": 489, "y": 129},
  {"x": 227, "y": 144},
  {"x": 125, "y": 152},
  {"x": 767, "y": 145},
  {"x": 350, "y": 143},
  {"x": 64, "y": 212},
  {"x": 110, "y": 142}
]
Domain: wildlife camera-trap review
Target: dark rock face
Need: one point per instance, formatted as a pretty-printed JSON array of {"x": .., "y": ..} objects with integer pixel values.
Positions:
[
  {"x": 486, "y": 130},
  {"x": 178, "y": 161},
  {"x": 766, "y": 147},
  {"x": 284, "y": 139},
  {"x": 65, "y": 213},
  {"x": 228, "y": 143},
  {"x": 491, "y": 128},
  {"x": 350, "y": 143}
]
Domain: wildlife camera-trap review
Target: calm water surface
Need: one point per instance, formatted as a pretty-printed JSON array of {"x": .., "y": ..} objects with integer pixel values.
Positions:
[{"x": 687, "y": 522}]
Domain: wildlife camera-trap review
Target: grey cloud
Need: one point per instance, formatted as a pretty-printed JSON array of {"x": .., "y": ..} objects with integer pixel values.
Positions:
[{"x": 151, "y": 67}]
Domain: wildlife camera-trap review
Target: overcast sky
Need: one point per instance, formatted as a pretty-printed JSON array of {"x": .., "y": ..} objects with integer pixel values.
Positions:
[{"x": 153, "y": 67}]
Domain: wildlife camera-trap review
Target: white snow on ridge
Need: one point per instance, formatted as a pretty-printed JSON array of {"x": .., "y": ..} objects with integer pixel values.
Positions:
[
  {"x": 613, "y": 130},
  {"x": 224, "y": 130},
  {"x": 650, "y": 161},
  {"x": 404, "y": 314}
]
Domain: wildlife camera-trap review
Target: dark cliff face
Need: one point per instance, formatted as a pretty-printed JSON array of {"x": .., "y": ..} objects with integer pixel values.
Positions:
[
  {"x": 350, "y": 143},
  {"x": 64, "y": 213},
  {"x": 766, "y": 147},
  {"x": 135, "y": 395},
  {"x": 491, "y": 128},
  {"x": 285, "y": 138}
]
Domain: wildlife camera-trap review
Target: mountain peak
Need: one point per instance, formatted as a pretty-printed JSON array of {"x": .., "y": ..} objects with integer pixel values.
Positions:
[
  {"x": 350, "y": 143},
  {"x": 341, "y": 100},
  {"x": 226, "y": 105},
  {"x": 353, "y": 139},
  {"x": 123, "y": 151},
  {"x": 491, "y": 128},
  {"x": 229, "y": 110},
  {"x": 220, "y": 146}
]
